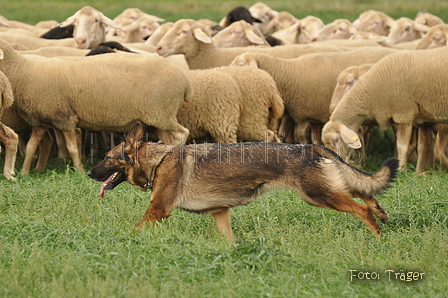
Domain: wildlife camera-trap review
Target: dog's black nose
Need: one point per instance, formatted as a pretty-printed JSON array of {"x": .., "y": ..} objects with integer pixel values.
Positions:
[{"x": 89, "y": 173}]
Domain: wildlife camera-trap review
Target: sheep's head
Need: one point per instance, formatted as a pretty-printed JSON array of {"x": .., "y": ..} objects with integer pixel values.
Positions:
[
  {"x": 338, "y": 29},
  {"x": 181, "y": 37},
  {"x": 89, "y": 28},
  {"x": 436, "y": 37},
  {"x": 345, "y": 82},
  {"x": 309, "y": 25},
  {"x": 336, "y": 136},
  {"x": 239, "y": 34},
  {"x": 374, "y": 21},
  {"x": 405, "y": 29}
]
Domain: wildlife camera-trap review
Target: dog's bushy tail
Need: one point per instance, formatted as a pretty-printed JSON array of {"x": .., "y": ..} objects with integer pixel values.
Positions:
[{"x": 372, "y": 184}]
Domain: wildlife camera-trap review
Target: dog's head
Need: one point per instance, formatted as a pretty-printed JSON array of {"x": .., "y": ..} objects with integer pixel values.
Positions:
[{"x": 119, "y": 162}]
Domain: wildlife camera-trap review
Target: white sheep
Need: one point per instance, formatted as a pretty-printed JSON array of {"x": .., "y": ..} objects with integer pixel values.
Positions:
[
  {"x": 193, "y": 39},
  {"x": 281, "y": 21},
  {"x": 159, "y": 33},
  {"x": 407, "y": 88},
  {"x": 374, "y": 21},
  {"x": 437, "y": 36},
  {"x": 12, "y": 24},
  {"x": 90, "y": 27},
  {"x": 262, "y": 12},
  {"x": 344, "y": 83},
  {"x": 301, "y": 32},
  {"x": 28, "y": 42},
  {"x": 423, "y": 139},
  {"x": 7, "y": 136},
  {"x": 54, "y": 51},
  {"x": 262, "y": 106},
  {"x": 65, "y": 93},
  {"x": 214, "y": 109},
  {"x": 133, "y": 31},
  {"x": 47, "y": 24},
  {"x": 338, "y": 29},
  {"x": 368, "y": 35},
  {"x": 405, "y": 30},
  {"x": 232, "y": 104},
  {"x": 239, "y": 34},
  {"x": 346, "y": 80},
  {"x": 307, "y": 93},
  {"x": 428, "y": 19},
  {"x": 140, "y": 29},
  {"x": 134, "y": 14}
]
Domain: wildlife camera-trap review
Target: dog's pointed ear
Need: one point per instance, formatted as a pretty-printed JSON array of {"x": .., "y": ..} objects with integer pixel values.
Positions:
[
  {"x": 135, "y": 134},
  {"x": 349, "y": 137}
]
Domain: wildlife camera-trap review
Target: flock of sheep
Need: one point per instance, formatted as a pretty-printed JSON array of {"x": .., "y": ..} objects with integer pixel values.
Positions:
[{"x": 256, "y": 75}]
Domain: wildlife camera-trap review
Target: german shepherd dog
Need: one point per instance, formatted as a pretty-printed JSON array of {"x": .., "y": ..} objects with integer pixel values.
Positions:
[{"x": 215, "y": 177}]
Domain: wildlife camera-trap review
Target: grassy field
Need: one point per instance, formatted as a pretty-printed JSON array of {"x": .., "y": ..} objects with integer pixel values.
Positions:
[{"x": 59, "y": 239}]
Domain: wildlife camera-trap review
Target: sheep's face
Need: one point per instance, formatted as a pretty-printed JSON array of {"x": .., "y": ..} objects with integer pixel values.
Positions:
[
  {"x": 308, "y": 27},
  {"x": 89, "y": 28},
  {"x": 147, "y": 28},
  {"x": 405, "y": 29},
  {"x": 344, "y": 83},
  {"x": 238, "y": 34},
  {"x": 337, "y": 136},
  {"x": 339, "y": 29},
  {"x": 435, "y": 38},
  {"x": 374, "y": 21},
  {"x": 181, "y": 38}
]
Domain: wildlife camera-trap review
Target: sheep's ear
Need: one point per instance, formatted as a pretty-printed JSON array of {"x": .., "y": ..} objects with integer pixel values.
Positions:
[
  {"x": 254, "y": 38},
  {"x": 1, "y": 55},
  {"x": 201, "y": 35},
  {"x": 69, "y": 21},
  {"x": 105, "y": 20},
  {"x": 388, "y": 22},
  {"x": 135, "y": 134},
  {"x": 350, "y": 137},
  {"x": 421, "y": 27},
  {"x": 130, "y": 27}
]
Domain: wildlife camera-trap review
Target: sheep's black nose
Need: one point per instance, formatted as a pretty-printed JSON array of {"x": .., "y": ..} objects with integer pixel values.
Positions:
[{"x": 89, "y": 173}]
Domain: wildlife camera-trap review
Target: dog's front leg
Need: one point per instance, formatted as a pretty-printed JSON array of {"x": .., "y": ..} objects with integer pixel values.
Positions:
[
  {"x": 222, "y": 219},
  {"x": 162, "y": 202}
]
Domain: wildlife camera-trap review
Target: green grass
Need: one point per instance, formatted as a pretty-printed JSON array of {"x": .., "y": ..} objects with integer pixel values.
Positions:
[
  {"x": 59, "y": 239},
  {"x": 32, "y": 11}
]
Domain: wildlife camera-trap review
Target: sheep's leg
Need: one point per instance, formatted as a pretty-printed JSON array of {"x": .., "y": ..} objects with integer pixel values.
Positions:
[
  {"x": 10, "y": 139},
  {"x": 44, "y": 151},
  {"x": 302, "y": 132},
  {"x": 316, "y": 132},
  {"x": 71, "y": 140},
  {"x": 62, "y": 147},
  {"x": 36, "y": 136},
  {"x": 425, "y": 148},
  {"x": 286, "y": 129},
  {"x": 442, "y": 144},
  {"x": 403, "y": 135}
]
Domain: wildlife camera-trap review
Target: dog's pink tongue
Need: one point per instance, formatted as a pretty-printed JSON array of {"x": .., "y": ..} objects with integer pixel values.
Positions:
[{"x": 103, "y": 185}]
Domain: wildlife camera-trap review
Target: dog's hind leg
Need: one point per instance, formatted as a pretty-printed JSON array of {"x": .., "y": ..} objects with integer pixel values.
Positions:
[
  {"x": 223, "y": 222},
  {"x": 344, "y": 203},
  {"x": 376, "y": 208}
]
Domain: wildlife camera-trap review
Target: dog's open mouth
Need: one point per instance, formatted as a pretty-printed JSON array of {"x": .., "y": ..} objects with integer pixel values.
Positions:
[{"x": 112, "y": 181}]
